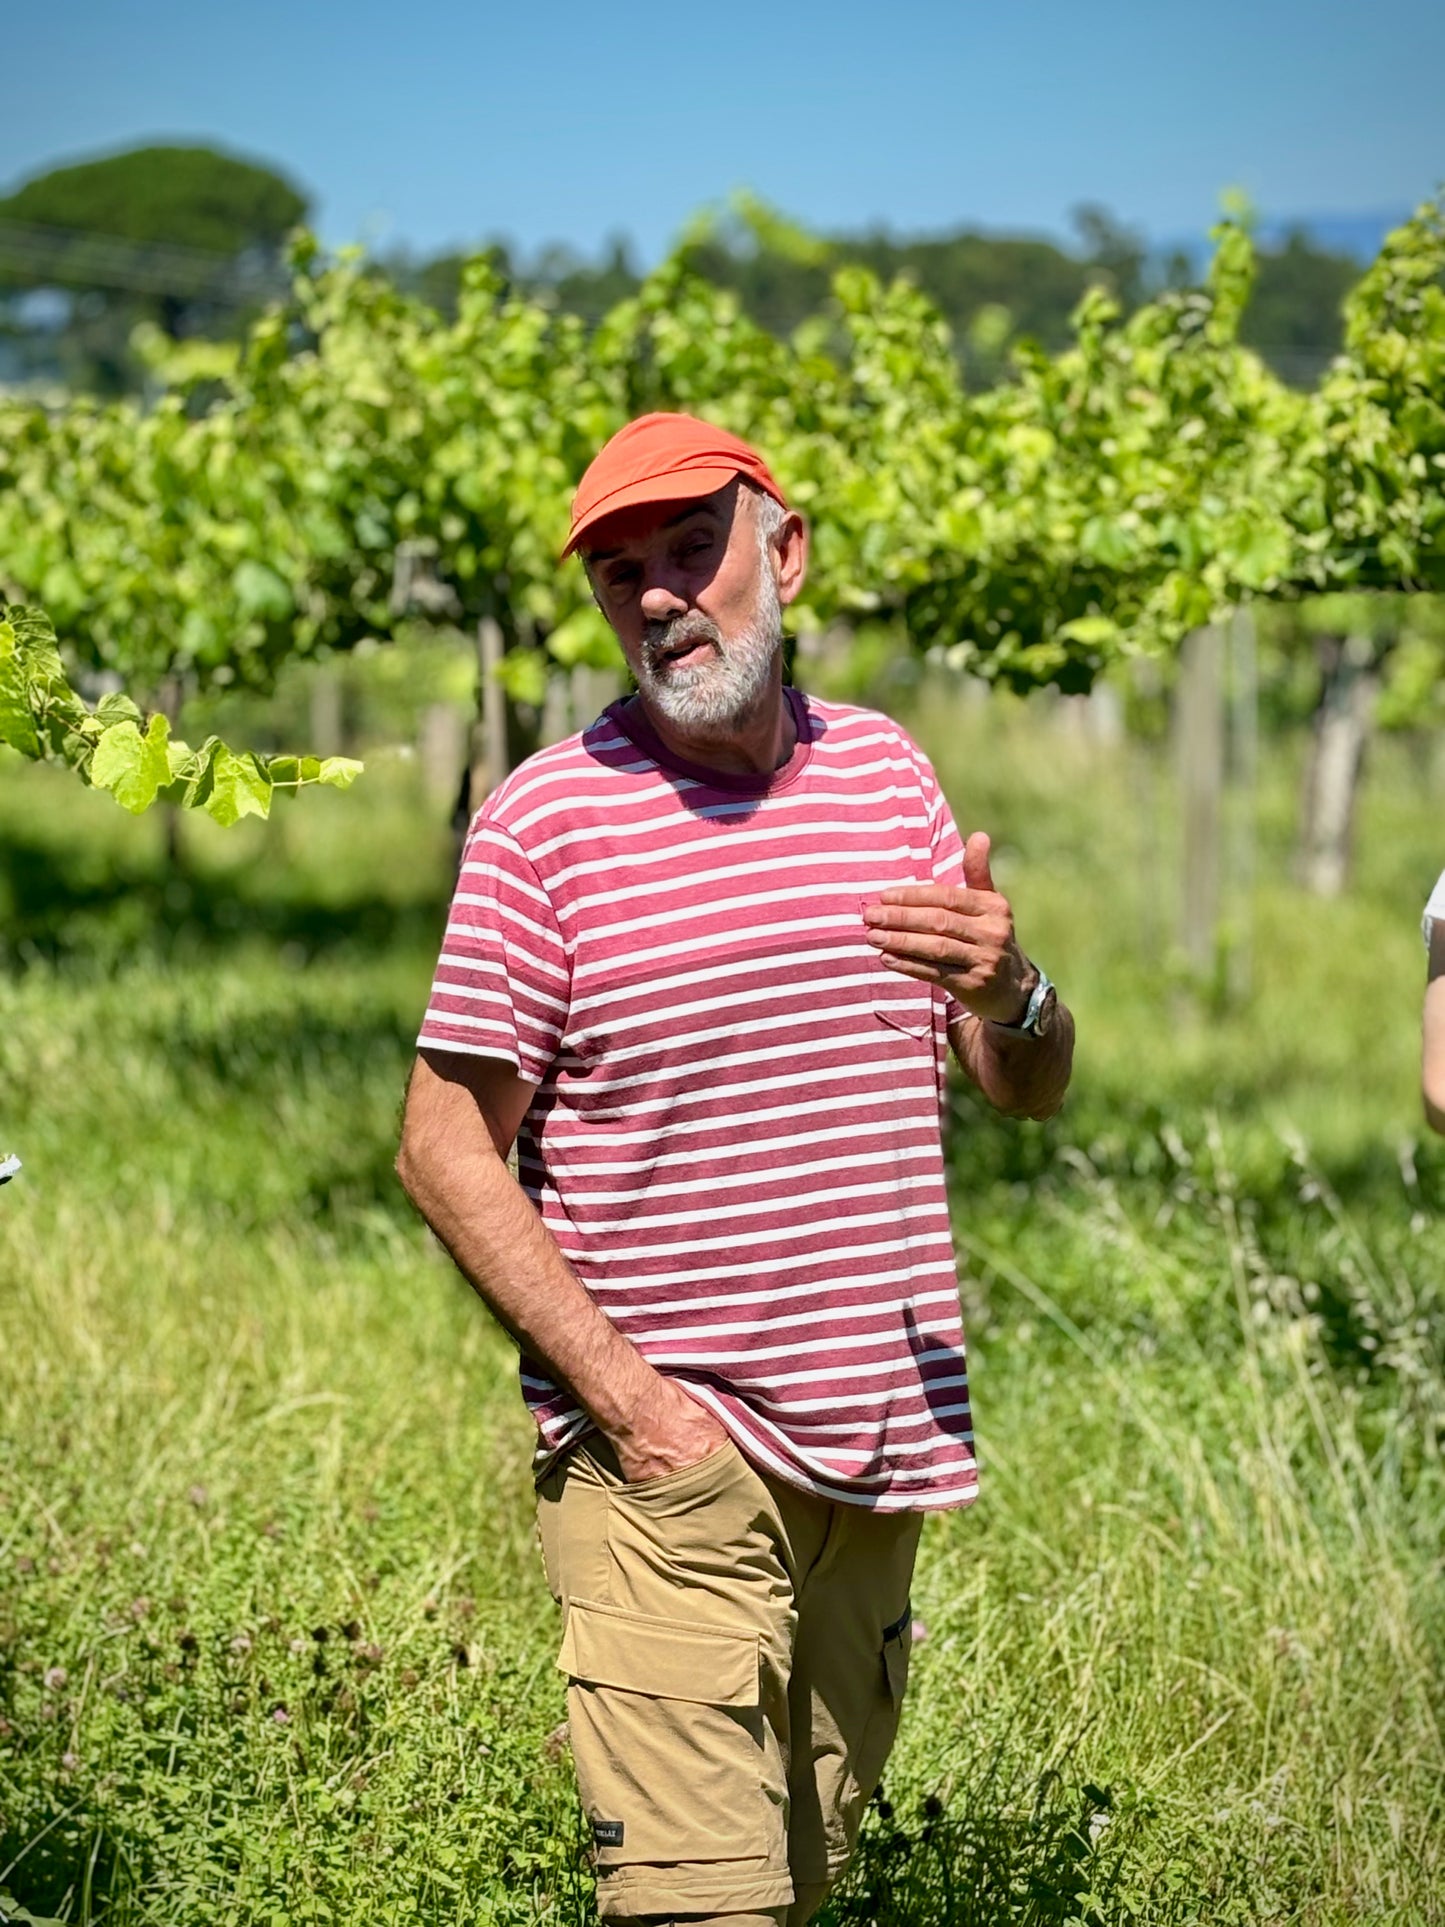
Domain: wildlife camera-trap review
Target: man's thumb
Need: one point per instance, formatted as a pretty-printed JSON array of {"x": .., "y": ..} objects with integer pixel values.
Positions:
[{"x": 975, "y": 862}]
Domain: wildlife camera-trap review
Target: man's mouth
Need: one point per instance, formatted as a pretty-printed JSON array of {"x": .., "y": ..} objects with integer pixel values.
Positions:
[
  {"x": 688, "y": 648},
  {"x": 683, "y": 648}
]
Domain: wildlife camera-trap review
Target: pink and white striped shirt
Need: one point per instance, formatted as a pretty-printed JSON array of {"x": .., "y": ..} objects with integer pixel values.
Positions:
[{"x": 735, "y": 1133}]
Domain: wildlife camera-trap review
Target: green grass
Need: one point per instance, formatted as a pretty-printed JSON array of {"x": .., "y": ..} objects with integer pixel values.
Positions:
[{"x": 1183, "y": 1659}]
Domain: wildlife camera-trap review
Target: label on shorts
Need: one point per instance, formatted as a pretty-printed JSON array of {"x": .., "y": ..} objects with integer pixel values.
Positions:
[{"x": 607, "y": 1833}]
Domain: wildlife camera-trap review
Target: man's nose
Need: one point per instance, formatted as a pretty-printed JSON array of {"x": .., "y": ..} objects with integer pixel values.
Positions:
[{"x": 660, "y": 602}]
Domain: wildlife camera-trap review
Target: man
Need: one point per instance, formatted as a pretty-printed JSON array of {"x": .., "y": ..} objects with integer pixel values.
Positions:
[{"x": 702, "y": 965}]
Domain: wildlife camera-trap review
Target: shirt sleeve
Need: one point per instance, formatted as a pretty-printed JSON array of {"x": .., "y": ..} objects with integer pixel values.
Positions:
[
  {"x": 502, "y": 980},
  {"x": 1434, "y": 909}
]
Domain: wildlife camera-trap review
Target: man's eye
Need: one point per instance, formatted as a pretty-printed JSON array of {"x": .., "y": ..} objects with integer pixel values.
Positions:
[
  {"x": 696, "y": 545},
  {"x": 619, "y": 580}
]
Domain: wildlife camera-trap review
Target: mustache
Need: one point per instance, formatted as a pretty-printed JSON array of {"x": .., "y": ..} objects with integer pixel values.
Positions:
[{"x": 662, "y": 639}]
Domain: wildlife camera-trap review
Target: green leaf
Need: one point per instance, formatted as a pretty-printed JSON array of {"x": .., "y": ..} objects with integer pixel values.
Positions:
[
  {"x": 523, "y": 674},
  {"x": 117, "y": 708},
  {"x": 223, "y": 783},
  {"x": 295, "y": 772},
  {"x": 261, "y": 592},
  {"x": 1095, "y": 632},
  {"x": 339, "y": 772},
  {"x": 132, "y": 766},
  {"x": 1258, "y": 554},
  {"x": 1108, "y": 541},
  {"x": 585, "y": 637},
  {"x": 17, "y": 723},
  {"x": 241, "y": 787}
]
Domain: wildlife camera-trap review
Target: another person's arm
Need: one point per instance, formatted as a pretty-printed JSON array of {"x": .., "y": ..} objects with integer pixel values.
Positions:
[
  {"x": 1432, "y": 1065},
  {"x": 462, "y": 1113},
  {"x": 963, "y": 938}
]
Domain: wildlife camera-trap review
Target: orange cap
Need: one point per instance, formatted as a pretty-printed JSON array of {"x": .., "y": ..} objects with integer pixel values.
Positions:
[{"x": 662, "y": 458}]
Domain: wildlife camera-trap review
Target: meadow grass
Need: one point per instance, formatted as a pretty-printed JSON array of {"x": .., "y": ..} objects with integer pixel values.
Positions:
[{"x": 274, "y": 1643}]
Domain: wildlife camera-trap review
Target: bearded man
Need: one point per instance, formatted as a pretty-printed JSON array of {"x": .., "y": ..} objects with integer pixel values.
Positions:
[{"x": 703, "y": 964}]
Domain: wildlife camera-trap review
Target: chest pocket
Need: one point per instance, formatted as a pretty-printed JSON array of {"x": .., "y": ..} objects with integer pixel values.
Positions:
[{"x": 904, "y": 1004}]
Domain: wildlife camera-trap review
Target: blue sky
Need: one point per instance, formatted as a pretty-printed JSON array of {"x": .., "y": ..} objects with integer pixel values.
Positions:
[{"x": 436, "y": 122}]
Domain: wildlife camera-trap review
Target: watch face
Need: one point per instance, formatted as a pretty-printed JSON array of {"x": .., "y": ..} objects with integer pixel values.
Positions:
[{"x": 1044, "y": 1016}]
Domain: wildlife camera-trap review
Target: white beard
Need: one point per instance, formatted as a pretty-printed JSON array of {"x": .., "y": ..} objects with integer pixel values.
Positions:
[{"x": 724, "y": 690}]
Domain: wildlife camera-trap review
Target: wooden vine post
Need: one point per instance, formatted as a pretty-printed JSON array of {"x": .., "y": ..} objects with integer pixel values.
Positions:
[
  {"x": 1350, "y": 685},
  {"x": 1242, "y": 803},
  {"x": 489, "y": 761},
  {"x": 1199, "y": 749}
]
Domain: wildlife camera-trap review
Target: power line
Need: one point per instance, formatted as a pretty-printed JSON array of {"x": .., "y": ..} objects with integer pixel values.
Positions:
[{"x": 71, "y": 257}]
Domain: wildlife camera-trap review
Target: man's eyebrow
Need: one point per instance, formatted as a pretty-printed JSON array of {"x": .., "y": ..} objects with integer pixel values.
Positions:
[
  {"x": 595, "y": 556},
  {"x": 705, "y": 507}
]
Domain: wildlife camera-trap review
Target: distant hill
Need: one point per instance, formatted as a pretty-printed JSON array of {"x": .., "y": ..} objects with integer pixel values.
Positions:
[{"x": 1358, "y": 236}]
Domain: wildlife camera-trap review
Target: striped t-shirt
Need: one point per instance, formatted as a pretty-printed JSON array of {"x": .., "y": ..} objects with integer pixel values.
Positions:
[{"x": 735, "y": 1134}]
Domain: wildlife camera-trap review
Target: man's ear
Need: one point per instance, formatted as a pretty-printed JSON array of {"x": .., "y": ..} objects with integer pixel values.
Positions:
[{"x": 789, "y": 548}]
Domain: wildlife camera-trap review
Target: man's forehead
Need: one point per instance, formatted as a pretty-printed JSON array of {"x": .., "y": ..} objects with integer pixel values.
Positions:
[{"x": 634, "y": 528}]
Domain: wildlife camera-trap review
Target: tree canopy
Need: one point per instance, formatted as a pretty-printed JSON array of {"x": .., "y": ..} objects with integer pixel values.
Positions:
[
  {"x": 185, "y": 197},
  {"x": 185, "y": 237}
]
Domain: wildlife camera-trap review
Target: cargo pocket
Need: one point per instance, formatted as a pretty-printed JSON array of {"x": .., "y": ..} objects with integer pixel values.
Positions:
[
  {"x": 890, "y": 1683},
  {"x": 717, "y": 1464},
  {"x": 667, "y": 1734}
]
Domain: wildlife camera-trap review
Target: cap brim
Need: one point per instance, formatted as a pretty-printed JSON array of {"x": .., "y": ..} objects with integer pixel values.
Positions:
[{"x": 691, "y": 485}]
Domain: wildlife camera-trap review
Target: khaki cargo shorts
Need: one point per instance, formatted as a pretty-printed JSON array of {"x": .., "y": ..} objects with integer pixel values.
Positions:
[{"x": 736, "y": 1652}]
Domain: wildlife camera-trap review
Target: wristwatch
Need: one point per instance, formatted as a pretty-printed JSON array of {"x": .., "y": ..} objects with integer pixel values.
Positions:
[{"x": 1039, "y": 1015}]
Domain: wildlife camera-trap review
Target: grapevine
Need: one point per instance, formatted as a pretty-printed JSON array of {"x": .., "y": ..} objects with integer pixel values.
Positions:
[
  {"x": 1095, "y": 505},
  {"x": 115, "y": 747}
]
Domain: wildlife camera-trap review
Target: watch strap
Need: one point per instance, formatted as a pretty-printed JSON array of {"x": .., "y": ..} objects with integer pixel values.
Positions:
[{"x": 1029, "y": 1024}]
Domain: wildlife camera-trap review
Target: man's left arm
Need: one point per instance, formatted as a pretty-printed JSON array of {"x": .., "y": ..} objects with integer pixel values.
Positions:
[
  {"x": 1432, "y": 1063},
  {"x": 963, "y": 938}
]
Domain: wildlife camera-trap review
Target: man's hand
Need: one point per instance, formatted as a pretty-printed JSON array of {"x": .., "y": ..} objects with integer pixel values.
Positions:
[
  {"x": 665, "y": 1431},
  {"x": 963, "y": 939},
  {"x": 462, "y": 1114}
]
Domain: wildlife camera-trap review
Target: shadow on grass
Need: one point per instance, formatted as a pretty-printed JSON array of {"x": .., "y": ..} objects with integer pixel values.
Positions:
[
  {"x": 992, "y": 1854},
  {"x": 248, "y": 1054},
  {"x": 327, "y": 1057},
  {"x": 74, "y": 1865},
  {"x": 1128, "y": 1134},
  {"x": 56, "y": 907}
]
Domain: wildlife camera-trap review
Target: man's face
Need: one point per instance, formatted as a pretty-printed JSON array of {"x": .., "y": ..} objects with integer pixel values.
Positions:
[{"x": 692, "y": 591}]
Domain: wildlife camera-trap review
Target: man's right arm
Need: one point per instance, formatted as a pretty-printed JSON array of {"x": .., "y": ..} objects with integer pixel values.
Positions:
[
  {"x": 462, "y": 1114},
  {"x": 1432, "y": 1069}
]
